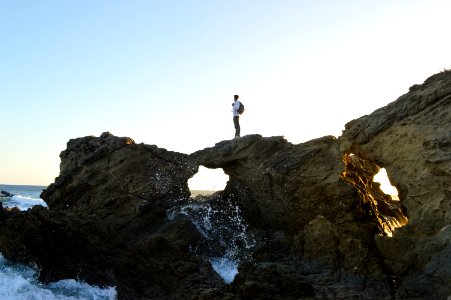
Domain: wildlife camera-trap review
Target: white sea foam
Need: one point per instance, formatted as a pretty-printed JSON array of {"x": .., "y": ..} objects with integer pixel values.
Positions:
[
  {"x": 24, "y": 202},
  {"x": 24, "y": 196},
  {"x": 18, "y": 282},
  {"x": 225, "y": 231},
  {"x": 225, "y": 267}
]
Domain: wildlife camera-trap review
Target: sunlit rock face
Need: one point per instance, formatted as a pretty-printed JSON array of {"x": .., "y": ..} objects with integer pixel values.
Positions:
[
  {"x": 411, "y": 138},
  {"x": 388, "y": 214}
]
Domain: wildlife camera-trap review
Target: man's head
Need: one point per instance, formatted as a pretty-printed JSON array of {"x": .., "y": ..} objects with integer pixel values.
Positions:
[{"x": 235, "y": 97}]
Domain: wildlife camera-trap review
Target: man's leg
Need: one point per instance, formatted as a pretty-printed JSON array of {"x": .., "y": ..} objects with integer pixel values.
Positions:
[{"x": 236, "y": 122}]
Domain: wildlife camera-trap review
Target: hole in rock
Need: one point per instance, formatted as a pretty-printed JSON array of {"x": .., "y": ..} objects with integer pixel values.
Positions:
[
  {"x": 207, "y": 181},
  {"x": 386, "y": 186},
  {"x": 376, "y": 201},
  {"x": 219, "y": 220}
]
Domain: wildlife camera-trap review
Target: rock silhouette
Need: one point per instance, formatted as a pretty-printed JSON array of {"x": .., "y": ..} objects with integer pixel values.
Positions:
[{"x": 321, "y": 228}]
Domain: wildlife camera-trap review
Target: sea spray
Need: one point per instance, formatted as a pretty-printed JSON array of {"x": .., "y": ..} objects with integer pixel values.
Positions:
[
  {"x": 20, "y": 282},
  {"x": 218, "y": 218},
  {"x": 24, "y": 202}
]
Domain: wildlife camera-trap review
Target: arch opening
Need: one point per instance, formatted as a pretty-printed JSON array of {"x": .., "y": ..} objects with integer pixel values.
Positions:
[
  {"x": 382, "y": 178},
  {"x": 219, "y": 219},
  {"x": 207, "y": 181},
  {"x": 375, "y": 203}
]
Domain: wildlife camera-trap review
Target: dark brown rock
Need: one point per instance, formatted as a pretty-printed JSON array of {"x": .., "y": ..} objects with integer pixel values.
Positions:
[
  {"x": 309, "y": 209},
  {"x": 272, "y": 281},
  {"x": 281, "y": 185},
  {"x": 100, "y": 175}
]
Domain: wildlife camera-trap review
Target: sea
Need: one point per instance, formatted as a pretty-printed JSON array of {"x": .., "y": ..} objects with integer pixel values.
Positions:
[
  {"x": 229, "y": 230},
  {"x": 19, "y": 282}
]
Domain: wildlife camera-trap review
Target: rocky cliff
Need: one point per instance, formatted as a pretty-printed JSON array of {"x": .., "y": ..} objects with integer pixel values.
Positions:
[
  {"x": 411, "y": 138},
  {"x": 306, "y": 221}
]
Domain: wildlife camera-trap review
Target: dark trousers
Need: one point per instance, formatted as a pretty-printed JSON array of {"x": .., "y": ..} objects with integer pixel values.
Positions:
[{"x": 236, "y": 122}]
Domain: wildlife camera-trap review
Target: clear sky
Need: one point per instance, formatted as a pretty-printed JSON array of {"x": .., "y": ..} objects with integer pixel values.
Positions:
[{"x": 165, "y": 72}]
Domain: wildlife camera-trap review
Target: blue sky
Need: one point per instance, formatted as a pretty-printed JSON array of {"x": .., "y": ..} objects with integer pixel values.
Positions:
[{"x": 165, "y": 72}]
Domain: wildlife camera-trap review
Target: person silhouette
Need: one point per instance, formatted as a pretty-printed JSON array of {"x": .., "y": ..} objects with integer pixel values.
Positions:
[{"x": 236, "y": 115}]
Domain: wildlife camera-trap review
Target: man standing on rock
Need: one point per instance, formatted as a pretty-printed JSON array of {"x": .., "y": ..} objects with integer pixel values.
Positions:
[{"x": 236, "y": 115}]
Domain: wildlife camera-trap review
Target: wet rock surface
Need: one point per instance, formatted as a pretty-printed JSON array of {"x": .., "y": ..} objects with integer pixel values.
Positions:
[{"x": 316, "y": 226}]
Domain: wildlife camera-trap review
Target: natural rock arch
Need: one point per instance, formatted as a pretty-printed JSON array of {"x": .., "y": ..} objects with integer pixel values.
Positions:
[
  {"x": 207, "y": 181},
  {"x": 314, "y": 211}
]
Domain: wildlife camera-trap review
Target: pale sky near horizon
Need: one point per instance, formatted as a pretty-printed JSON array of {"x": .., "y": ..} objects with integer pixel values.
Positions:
[{"x": 165, "y": 72}]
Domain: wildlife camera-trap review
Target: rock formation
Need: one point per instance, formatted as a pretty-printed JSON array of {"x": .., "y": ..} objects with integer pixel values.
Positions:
[
  {"x": 107, "y": 224},
  {"x": 120, "y": 213},
  {"x": 411, "y": 139}
]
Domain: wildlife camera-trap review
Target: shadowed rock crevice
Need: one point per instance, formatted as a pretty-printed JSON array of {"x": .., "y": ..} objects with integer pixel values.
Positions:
[{"x": 387, "y": 213}]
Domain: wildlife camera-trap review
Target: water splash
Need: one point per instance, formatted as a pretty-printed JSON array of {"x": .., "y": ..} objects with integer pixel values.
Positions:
[
  {"x": 24, "y": 202},
  {"x": 19, "y": 282},
  {"x": 218, "y": 218},
  {"x": 225, "y": 267}
]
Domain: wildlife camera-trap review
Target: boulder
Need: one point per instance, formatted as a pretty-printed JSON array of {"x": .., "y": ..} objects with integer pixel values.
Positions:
[{"x": 109, "y": 173}]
